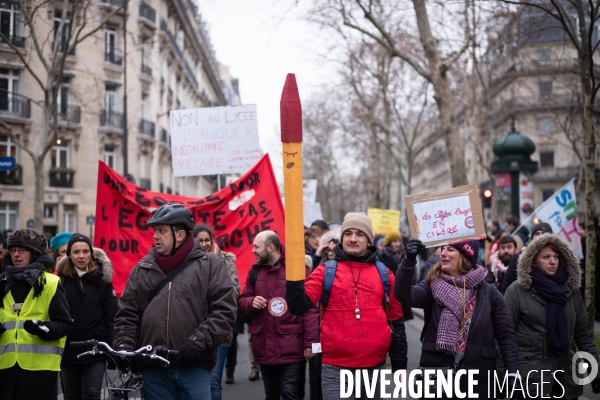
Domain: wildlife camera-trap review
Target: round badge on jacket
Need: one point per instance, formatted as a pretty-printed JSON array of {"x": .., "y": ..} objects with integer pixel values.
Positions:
[{"x": 277, "y": 306}]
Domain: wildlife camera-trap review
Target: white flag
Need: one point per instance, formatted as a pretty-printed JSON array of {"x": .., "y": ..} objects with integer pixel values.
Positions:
[{"x": 560, "y": 211}]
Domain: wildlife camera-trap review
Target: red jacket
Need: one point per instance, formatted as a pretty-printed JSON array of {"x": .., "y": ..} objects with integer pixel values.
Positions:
[
  {"x": 347, "y": 341},
  {"x": 277, "y": 340}
]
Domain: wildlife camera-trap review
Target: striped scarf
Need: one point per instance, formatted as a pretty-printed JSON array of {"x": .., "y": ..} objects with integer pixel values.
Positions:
[{"x": 452, "y": 320}]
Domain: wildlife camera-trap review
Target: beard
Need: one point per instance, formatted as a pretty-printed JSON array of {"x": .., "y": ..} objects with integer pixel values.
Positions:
[
  {"x": 263, "y": 258},
  {"x": 505, "y": 258}
]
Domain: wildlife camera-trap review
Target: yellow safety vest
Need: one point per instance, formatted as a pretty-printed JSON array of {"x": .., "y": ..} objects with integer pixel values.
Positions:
[{"x": 18, "y": 346}]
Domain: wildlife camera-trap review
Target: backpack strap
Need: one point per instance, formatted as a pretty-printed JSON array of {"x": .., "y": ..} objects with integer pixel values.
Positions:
[
  {"x": 330, "y": 269},
  {"x": 385, "y": 279},
  {"x": 254, "y": 274}
]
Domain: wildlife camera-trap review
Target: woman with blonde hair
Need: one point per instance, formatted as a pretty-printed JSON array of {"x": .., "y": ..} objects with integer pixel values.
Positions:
[
  {"x": 464, "y": 315},
  {"x": 86, "y": 274},
  {"x": 549, "y": 318}
]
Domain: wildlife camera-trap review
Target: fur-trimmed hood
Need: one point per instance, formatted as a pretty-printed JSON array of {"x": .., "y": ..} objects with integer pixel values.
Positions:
[
  {"x": 329, "y": 235},
  {"x": 102, "y": 259},
  {"x": 567, "y": 259}
]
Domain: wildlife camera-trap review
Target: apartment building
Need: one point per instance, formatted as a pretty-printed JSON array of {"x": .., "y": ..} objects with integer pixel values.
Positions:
[
  {"x": 169, "y": 63},
  {"x": 532, "y": 76}
]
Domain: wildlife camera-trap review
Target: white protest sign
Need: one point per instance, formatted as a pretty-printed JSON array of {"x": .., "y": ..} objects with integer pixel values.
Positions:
[
  {"x": 309, "y": 190},
  {"x": 560, "y": 211},
  {"x": 218, "y": 140},
  {"x": 446, "y": 216},
  {"x": 312, "y": 212}
]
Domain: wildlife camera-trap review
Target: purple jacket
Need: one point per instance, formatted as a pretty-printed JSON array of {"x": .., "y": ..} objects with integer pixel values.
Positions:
[{"x": 277, "y": 339}]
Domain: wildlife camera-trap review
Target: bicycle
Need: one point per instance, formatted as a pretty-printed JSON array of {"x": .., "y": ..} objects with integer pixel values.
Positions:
[{"x": 128, "y": 381}]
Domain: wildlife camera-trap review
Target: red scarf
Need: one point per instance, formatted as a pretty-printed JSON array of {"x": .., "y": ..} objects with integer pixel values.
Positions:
[{"x": 168, "y": 263}]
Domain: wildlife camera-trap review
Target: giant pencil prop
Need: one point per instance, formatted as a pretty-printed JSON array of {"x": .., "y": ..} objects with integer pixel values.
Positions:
[{"x": 291, "y": 138}]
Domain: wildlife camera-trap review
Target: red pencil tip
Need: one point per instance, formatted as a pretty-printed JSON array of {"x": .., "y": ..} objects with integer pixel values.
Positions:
[{"x": 291, "y": 111}]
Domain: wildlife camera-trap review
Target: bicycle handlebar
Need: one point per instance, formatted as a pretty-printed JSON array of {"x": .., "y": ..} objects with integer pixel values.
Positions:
[{"x": 159, "y": 353}]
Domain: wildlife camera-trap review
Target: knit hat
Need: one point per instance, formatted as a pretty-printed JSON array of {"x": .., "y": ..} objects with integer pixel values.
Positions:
[
  {"x": 391, "y": 237},
  {"x": 59, "y": 240},
  {"x": 468, "y": 249},
  {"x": 360, "y": 221},
  {"x": 78, "y": 237},
  {"x": 29, "y": 239},
  {"x": 542, "y": 226}
]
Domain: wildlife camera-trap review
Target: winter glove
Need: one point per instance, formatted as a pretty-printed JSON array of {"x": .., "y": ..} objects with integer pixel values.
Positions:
[
  {"x": 296, "y": 298},
  {"x": 596, "y": 385},
  {"x": 40, "y": 329},
  {"x": 413, "y": 248},
  {"x": 188, "y": 354}
]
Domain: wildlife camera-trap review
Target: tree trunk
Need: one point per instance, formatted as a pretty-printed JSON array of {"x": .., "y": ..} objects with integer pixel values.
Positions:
[
  {"x": 442, "y": 96},
  {"x": 38, "y": 203}
]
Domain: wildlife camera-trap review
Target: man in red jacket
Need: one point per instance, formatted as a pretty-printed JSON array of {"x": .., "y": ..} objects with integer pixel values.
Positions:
[
  {"x": 280, "y": 340},
  {"x": 356, "y": 333}
]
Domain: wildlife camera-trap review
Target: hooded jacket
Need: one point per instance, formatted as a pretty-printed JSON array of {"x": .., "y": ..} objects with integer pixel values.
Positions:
[
  {"x": 277, "y": 339},
  {"x": 347, "y": 341},
  {"x": 528, "y": 313},
  {"x": 92, "y": 304},
  {"x": 487, "y": 327},
  {"x": 230, "y": 260},
  {"x": 199, "y": 306}
]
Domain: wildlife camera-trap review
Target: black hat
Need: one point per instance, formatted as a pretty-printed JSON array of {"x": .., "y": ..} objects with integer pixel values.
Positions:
[
  {"x": 29, "y": 239},
  {"x": 78, "y": 237},
  {"x": 542, "y": 226}
]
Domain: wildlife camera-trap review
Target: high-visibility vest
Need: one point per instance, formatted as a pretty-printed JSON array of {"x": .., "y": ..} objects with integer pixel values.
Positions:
[{"x": 18, "y": 346}]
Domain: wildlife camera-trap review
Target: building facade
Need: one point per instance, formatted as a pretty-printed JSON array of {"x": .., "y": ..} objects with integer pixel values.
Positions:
[{"x": 162, "y": 61}]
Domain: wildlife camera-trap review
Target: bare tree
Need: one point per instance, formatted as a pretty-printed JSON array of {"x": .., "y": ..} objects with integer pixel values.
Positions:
[
  {"x": 50, "y": 46},
  {"x": 578, "y": 19},
  {"x": 431, "y": 55}
]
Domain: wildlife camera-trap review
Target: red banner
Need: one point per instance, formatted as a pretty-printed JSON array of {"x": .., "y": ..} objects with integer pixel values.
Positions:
[{"x": 236, "y": 213}]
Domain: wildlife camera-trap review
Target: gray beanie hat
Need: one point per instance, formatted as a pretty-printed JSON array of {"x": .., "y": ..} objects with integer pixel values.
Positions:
[
  {"x": 360, "y": 221},
  {"x": 29, "y": 239}
]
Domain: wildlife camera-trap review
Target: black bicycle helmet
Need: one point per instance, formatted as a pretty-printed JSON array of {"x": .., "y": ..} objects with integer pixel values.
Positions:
[{"x": 172, "y": 214}]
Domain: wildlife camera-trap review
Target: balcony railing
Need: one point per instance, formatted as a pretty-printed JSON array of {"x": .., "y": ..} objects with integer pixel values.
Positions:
[
  {"x": 147, "y": 12},
  {"x": 113, "y": 56},
  {"x": 116, "y": 3},
  {"x": 146, "y": 70},
  {"x": 565, "y": 100},
  {"x": 61, "y": 177},
  {"x": 111, "y": 119},
  {"x": 145, "y": 183},
  {"x": 17, "y": 41},
  {"x": 178, "y": 51},
  {"x": 147, "y": 128},
  {"x": 13, "y": 177},
  {"x": 15, "y": 107},
  {"x": 69, "y": 114}
]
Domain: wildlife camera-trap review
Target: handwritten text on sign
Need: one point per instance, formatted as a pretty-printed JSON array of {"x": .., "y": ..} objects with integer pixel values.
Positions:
[
  {"x": 444, "y": 219},
  {"x": 218, "y": 140}
]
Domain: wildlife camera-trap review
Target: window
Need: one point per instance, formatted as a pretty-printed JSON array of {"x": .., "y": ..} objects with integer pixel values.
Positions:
[
  {"x": 546, "y": 125},
  {"x": 111, "y": 99},
  {"x": 547, "y": 193},
  {"x": 145, "y": 183},
  {"x": 111, "y": 41},
  {"x": 143, "y": 107},
  {"x": 60, "y": 156},
  {"x": 545, "y": 90},
  {"x": 547, "y": 159},
  {"x": 7, "y": 147},
  {"x": 10, "y": 21},
  {"x": 9, "y": 89},
  {"x": 69, "y": 220},
  {"x": 63, "y": 98},
  {"x": 110, "y": 156},
  {"x": 50, "y": 211},
  {"x": 143, "y": 166},
  {"x": 145, "y": 52},
  {"x": 544, "y": 57},
  {"x": 62, "y": 41},
  {"x": 8, "y": 216},
  {"x": 180, "y": 40}
]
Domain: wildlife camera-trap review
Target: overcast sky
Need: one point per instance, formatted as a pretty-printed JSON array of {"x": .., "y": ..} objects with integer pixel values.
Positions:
[{"x": 262, "y": 41}]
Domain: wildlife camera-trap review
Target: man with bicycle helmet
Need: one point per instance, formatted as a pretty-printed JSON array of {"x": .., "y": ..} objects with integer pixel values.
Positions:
[{"x": 180, "y": 297}]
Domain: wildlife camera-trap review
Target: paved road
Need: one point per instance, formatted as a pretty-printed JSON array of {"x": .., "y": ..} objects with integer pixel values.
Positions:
[{"x": 243, "y": 389}]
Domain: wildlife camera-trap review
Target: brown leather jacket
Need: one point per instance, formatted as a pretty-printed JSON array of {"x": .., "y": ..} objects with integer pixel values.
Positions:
[{"x": 180, "y": 311}]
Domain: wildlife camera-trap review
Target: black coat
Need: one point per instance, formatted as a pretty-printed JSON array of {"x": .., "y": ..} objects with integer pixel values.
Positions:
[
  {"x": 92, "y": 304},
  {"x": 485, "y": 329}
]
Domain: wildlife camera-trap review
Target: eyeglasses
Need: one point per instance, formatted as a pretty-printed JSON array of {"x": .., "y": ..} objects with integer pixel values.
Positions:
[
  {"x": 19, "y": 250},
  {"x": 328, "y": 250},
  {"x": 207, "y": 240}
]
